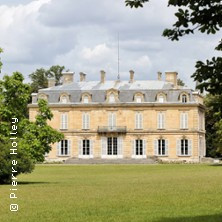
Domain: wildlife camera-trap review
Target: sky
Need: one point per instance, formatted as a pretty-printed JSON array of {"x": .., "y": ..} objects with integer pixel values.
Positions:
[{"x": 83, "y": 36}]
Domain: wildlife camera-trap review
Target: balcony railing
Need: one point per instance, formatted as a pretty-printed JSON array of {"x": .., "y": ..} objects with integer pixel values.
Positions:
[{"x": 111, "y": 129}]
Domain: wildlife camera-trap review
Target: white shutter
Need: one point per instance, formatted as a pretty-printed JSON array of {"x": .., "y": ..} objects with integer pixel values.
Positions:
[
  {"x": 104, "y": 146},
  {"x": 61, "y": 121},
  {"x": 166, "y": 147},
  {"x": 186, "y": 120},
  {"x": 156, "y": 147},
  {"x": 69, "y": 146},
  {"x": 181, "y": 120},
  {"x": 141, "y": 121},
  {"x": 58, "y": 148},
  {"x": 158, "y": 121},
  {"x": 80, "y": 148},
  {"x": 133, "y": 147},
  {"x": 87, "y": 121},
  {"x": 83, "y": 120},
  {"x": 163, "y": 120},
  {"x": 120, "y": 146},
  {"x": 190, "y": 147},
  {"x": 91, "y": 147},
  {"x": 178, "y": 147},
  {"x": 144, "y": 147},
  {"x": 136, "y": 121}
]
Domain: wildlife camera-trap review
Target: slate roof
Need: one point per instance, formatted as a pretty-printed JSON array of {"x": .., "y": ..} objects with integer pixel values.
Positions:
[{"x": 150, "y": 89}]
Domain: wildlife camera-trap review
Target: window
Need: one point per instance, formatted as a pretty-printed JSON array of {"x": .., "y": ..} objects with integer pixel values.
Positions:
[
  {"x": 85, "y": 121},
  {"x": 64, "y": 121},
  {"x": 85, "y": 99},
  {"x": 161, "y": 99},
  {"x": 64, "y": 99},
  {"x": 112, "y": 146},
  {"x": 138, "y": 99},
  {"x": 85, "y": 148},
  {"x": 139, "y": 148},
  {"x": 184, "y": 120},
  {"x": 161, "y": 120},
  {"x": 139, "y": 120},
  {"x": 184, "y": 147},
  {"x": 161, "y": 147},
  {"x": 184, "y": 98},
  {"x": 112, "y": 120},
  {"x": 63, "y": 148},
  {"x": 112, "y": 98}
]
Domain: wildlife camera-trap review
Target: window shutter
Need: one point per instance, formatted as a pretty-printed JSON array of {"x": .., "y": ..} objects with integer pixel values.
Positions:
[
  {"x": 133, "y": 147},
  {"x": 83, "y": 120},
  {"x": 144, "y": 147},
  {"x": 80, "y": 147},
  {"x": 91, "y": 147},
  {"x": 190, "y": 147},
  {"x": 87, "y": 121},
  {"x": 178, "y": 147},
  {"x": 103, "y": 145},
  {"x": 156, "y": 147},
  {"x": 65, "y": 121},
  {"x": 163, "y": 120},
  {"x": 61, "y": 121},
  {"x": 166, "y": 147},
  {"x": 58, "y": 148},
  {"x": 186, "y": 120},
  {"x": 136, "y": 121},
  {"x": 69, "y": 147},
  {"x": 140, "y": 120},
  {"x": 120, "y": 146},
  {"x": 158, "y": 121}
]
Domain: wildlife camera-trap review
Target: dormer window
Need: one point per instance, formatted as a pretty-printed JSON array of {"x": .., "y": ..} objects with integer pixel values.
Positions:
[
  {"x": 112, "y": 98},
  {"x": 85, "y": 99},
  {"x": 184, "y": 98},
  {"x": 64, "y": 99},
  {"x": 138, "y": 99},
  {"x": 161, "y": 98}
]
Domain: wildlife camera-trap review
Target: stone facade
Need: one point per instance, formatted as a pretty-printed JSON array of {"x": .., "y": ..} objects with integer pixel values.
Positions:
[{"x": 125, "y": 119}]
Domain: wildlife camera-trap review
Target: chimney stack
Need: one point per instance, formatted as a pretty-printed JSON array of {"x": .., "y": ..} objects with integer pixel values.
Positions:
[
  {"x": 67, "y": 77},
  {"x": 103, "y": 76},
  {"x": 82, "y": 77},
  {"x": 131, "y": 76},
  {"x": 172, "y": 78},
  {"x": 51, "y": 82},
  {"x": 159, "y": 76}
]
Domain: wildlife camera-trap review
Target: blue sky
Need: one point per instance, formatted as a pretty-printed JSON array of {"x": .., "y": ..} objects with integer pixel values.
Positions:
[{"x": 82, "y": 35}]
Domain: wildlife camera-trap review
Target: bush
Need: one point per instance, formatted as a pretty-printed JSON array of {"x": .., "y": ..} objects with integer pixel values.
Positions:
[{"x": 24, "y": 163}]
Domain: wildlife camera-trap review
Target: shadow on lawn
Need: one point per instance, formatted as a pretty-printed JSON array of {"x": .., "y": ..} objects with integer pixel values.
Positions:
[
  {"x": 34, "y": 182},
  {"x": 205, "y": 218}
]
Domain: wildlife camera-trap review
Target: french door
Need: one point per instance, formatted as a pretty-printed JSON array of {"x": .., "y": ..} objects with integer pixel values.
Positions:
[{"x": 112, "y": 146}]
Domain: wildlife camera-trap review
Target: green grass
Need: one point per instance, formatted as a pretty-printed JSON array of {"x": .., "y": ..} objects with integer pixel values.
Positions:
[{"x": 120, "y": 193}]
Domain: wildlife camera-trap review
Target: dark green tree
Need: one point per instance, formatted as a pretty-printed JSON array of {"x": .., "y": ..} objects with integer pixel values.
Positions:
[
  {"x": 56, "y": 72},
  {"x": 180, "y": 82}
]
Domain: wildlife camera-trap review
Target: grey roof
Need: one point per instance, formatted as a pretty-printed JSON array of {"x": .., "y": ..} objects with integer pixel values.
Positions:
[{"x": 127, "y": 90}]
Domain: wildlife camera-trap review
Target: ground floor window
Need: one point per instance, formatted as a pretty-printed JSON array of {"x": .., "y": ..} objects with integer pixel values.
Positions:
[
  {"x": 139, "y": 147},
  {"x": 184, "y": 147},
  {"x": 161, "y": 147},
  {"x": 86, "y": 147},
  {"x": 63, "y": 148},
  {"x": 112, "y": 146}
]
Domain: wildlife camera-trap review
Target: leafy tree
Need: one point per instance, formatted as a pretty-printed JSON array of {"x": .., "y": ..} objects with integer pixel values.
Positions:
[
  {"x": 40, "y": 77},
  {"x": 180, "y": 82},
  {"x": 33, "y": 138},
  {"x": 204, "y": 16}
]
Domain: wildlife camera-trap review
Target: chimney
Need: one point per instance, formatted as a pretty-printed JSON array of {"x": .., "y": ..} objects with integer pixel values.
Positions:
[
  {"x": 67, "y": 77},
  {"x": 82, "y": 77},
  {"x": 159, "y": 76},
  {"x": 103, "y": 76},
  {"x": 131, "y": 76},
  {"x": 172, "y": 78},
  {"x": 51, "y": 82}
]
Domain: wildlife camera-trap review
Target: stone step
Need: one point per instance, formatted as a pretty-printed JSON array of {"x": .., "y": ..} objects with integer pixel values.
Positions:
[{"x": 149, "y": 160}]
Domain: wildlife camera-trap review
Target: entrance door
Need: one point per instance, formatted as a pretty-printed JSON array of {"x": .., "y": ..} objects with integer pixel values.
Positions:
[{"x": 112, "y": 146}]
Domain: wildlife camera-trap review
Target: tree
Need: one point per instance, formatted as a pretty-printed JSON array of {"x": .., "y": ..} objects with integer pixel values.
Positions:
[
  {"x": 0, "y": 59},
  {"x": 204, "y": 16},
  {"x": 40, "y": 77},
  {"x": 180, "y": 82},
  {"x": 34, "y": 139}
]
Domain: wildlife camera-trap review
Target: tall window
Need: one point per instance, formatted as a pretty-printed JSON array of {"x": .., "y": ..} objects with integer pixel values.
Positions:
[
  {"x": 139, "y": 120},
  {"x": 85, "y": 99},
  {"x": 139, "y": 148},
  {"x": 64, "y": 99},
  {"x": 184, "y": 98},
  {"x": 85, "y": 121},
  {"x": 63, "y": 148},
  {"x": 184, "y": 120},
  {"x": 112, "y": 98},
  {"x": 85, "y": 147},
  {"x": 112, "y": 148},
  {"x": 161, "y": 120},
  {"x": 64, "y": 121},
  {"x": 112, "y": 120},
  {"x": 184, "y": 147}
]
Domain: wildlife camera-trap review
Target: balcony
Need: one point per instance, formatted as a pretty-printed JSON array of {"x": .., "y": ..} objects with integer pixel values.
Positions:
[{"x": 111, "y": 129}]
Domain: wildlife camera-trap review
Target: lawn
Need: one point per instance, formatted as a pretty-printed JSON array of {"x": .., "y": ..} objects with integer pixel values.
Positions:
[{"x": 120, "y": 193}]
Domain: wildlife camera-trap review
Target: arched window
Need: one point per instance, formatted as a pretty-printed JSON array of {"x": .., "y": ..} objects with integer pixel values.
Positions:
[
  {"x": 161, "y": 99},
  {"x": 112, "y": 98},
  {"x": 85, "y": 99},
  {"x": 64, "y": 99},
  {"x": 184, "y": 98}
]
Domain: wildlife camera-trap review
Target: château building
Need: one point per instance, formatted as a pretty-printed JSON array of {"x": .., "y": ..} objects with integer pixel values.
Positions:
[{"x": 124, "y": 119}]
